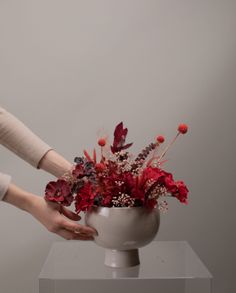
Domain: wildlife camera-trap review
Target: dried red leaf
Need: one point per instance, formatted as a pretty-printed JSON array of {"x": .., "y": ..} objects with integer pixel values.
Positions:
[
  {"x": 94, "y": 156},
  {"x": 120, "y": 134},
  {"x": 87, "y": 156}
]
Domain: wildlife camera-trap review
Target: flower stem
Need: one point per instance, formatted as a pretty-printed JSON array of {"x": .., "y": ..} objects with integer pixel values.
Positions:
[{"x": 168, "y": 146}]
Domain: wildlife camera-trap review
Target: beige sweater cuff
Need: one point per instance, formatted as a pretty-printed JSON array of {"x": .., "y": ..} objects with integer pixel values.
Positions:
[{"x": 4, "y": 184}]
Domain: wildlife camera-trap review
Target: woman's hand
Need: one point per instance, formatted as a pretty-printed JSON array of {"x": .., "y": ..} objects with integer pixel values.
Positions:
[
  {"x": 54, "y": 217},
  {"x": 60, "y": 220}
]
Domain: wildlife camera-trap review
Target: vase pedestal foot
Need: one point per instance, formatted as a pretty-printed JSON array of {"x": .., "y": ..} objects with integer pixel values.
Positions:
[{"x": 121, "y": 258}]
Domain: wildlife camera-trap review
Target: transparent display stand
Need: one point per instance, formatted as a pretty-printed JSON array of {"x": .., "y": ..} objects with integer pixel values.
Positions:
[{"x": 165, "y": 267}]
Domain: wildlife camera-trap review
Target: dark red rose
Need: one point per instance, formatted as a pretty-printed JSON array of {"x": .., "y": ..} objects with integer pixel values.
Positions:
[{"x": 59, "y": 191}]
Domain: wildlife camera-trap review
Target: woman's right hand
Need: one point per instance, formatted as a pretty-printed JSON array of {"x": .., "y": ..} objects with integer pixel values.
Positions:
[{"x": 60, "y": 220}]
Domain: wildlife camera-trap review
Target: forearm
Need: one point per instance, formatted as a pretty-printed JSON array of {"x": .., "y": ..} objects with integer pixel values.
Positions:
[
  {"x": 54, "y": 164},
  {"x": 23, "y": 142},
  {"x": 19, "y": 139},
  {"x": 19, "y": 197},
  {"x": 56, "y": 218}
]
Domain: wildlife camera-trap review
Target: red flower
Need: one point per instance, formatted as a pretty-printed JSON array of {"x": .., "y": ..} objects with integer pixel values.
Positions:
[
  {"x": 116, "y": 179},
  {"x": 182, "y": 192},
  {"x": 78, "y": 171},
  {"x": 170, "y": 184},
  {"x": 155, "y": 174},
  {"x": 59, "y": 191},
  {"x": 138, "y": 194},
  {"x": 100, "y": 167},
  {"x": 84, "y": 198},
  {"x": 106, "y": 202},
  {"x": 160, "y": 139},
  {"x": 149, "y": 173},
  {"x": 102, "y": 142},
  {"x": 151, "y": 203},
  {"x": 183, "y": 128}
]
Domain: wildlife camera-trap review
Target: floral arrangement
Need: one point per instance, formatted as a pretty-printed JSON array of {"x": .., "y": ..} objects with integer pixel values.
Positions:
[{"x": 117, "y": 178}]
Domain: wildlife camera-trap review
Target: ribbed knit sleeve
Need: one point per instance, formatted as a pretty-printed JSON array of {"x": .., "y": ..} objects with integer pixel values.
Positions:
[
  {"x": 19, "y": 139},
  {"x": 4, "y": 183}
]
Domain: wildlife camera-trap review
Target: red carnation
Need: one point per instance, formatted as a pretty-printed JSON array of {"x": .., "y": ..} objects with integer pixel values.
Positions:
[
  {"x": 182, "y": 192},
  {"x": 155, "y": 174},
  {"x": 170, "y": 184},
  {"x": 150, "y": 173},
  {"x": 183, "y": 128},
  {"x": 59, "y": 191}
]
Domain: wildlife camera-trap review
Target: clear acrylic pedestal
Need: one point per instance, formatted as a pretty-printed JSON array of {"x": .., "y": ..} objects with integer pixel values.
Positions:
[{"x": 165, "y": 267}]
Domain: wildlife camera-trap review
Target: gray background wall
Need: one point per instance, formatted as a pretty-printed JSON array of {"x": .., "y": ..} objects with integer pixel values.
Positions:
[{"x": 70, "y": 68}]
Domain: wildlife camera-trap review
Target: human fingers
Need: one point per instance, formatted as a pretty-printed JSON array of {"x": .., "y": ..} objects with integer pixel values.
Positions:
[
  {"x": 69, "y": 214},
  {"x": 68, "y": 235},
  {"x": 77, "y": 228}
]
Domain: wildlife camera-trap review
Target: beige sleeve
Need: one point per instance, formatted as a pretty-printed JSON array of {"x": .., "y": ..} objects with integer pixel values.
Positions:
[
  {"x": 4, "y": 183},
  {"x": 19, "y": 139}
]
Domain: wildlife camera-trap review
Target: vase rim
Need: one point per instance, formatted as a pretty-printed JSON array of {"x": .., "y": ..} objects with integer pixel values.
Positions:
[{"x": 140, "y": 207}]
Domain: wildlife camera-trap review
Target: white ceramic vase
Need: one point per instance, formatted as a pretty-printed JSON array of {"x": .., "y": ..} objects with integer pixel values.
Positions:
[{"x": 121, "y": 231}]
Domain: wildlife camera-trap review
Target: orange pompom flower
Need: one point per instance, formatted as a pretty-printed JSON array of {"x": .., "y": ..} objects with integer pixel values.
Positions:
[
  {"x": 160, "y": 138},
  {"x": 183, "y": 128},
  {"x": 102, "y": 142}
]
